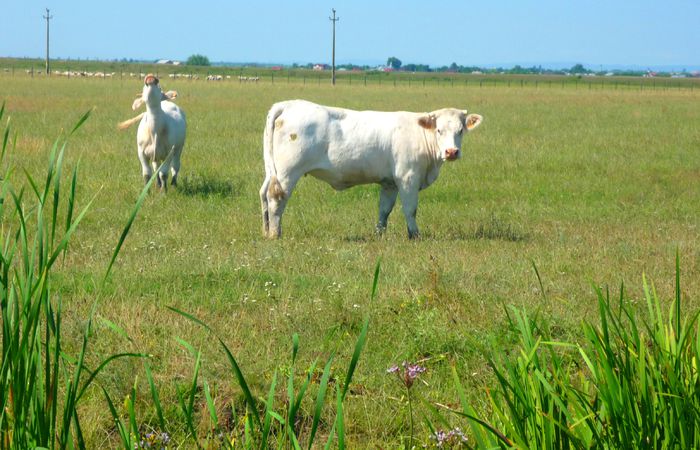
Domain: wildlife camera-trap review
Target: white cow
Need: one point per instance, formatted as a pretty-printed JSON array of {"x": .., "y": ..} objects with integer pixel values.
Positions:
[
  {"x": 401, "y": 151},
  {"x": 161, "y": 134}
]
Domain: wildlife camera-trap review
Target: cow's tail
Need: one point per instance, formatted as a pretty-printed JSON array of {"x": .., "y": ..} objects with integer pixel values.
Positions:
[
  {"x": 274, "y": 188},
  {"x": 127, "y": 123}
]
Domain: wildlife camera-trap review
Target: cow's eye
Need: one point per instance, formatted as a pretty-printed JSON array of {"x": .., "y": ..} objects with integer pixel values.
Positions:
[{"x": 438, "y": 131}]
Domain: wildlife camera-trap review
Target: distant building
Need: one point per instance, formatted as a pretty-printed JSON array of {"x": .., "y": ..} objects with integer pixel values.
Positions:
[
  {"x": 168, "y": 61},
  {"x": 320, "y": 66}
]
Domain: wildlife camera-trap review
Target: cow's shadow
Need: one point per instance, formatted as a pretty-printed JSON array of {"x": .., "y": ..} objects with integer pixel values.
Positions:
[
  {"x": 206, "y": 186},
  {"x": 492, "y": 229}
]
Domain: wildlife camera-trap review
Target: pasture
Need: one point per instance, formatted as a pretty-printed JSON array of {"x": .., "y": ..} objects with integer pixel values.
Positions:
[{"x": 594, "y": 187}]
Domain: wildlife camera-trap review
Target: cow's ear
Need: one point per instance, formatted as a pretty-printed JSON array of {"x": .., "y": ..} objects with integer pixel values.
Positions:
[
  {"x": 427, "y": 122},
  {"x": 472, "y": 121},
  {"x": 170, "y": 95},
  {"x": 137, "y": 103}
]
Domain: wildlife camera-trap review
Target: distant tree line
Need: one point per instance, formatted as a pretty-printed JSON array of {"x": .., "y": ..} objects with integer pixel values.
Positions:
[{"x": 395, "y": 64}]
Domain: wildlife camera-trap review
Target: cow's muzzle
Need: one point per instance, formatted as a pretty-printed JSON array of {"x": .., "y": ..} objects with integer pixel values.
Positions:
[
  {"x": 451, "y": 154},
  {"x": 150, "y": 79}
]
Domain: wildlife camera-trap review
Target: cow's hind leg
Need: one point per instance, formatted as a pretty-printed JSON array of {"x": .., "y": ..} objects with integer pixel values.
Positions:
[
  {"x": 265, "y": 206},
  {"x": 162, "y": 175},
  {"x": 278, "y": 193},
  {"x": 387, "y": 200},
  {"x": 163, "y": 181},
  {"x": 175, "y": 165}
]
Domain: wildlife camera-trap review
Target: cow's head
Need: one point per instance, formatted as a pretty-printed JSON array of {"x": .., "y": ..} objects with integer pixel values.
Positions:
[
  {"x": 151, "y": 93},
  {"x": 449, "y": 125}
]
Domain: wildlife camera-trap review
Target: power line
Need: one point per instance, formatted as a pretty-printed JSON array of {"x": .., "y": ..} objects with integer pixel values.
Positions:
[
  {"x": 334, "y": 20},
  {"x": 47, "y": 17}
]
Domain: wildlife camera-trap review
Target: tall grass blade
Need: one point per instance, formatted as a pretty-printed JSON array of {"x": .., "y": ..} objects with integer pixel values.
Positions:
[
  {"x": 362, "y": 339},
  {"x": 124, "y": 433},
  {"x": 80, "y": 121},
  {"x": 268, "y": 412},
  {"x": 154, "y": 395},
  {"x": 677, "y": 302},
  {"x": 539, "y": 280},
  {"x": 252, "y": 404},
  {"x": 131, "y": 409},
  {"x": 129, "y": 224},
  {"x": 320, "y": 400},
  {"x": 340, "y": 421},
  {"x": 210, "y": 405},
  {"x": 467, "y": 409},
  {"x": 300, "y": 396}
]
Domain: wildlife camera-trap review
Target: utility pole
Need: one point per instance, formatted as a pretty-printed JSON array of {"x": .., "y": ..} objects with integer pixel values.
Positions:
[
  {"x": 47, "y": 17},
  {"x": 334, "y": 20}
]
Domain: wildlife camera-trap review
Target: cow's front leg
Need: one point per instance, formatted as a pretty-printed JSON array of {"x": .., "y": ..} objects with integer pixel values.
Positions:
[
  {"x": 409, "y": 204},
  {"x": 387, "y": 200},
  {"x": 146, "y": 171}
]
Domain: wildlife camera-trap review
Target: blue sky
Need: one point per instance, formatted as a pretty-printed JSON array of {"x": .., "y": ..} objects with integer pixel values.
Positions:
[{"x": 559, "y": 33}]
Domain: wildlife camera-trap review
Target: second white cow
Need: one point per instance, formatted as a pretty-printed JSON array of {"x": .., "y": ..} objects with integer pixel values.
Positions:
[
  {"x": 400, "y": 151},
  {"x": 161, "y": 133}
]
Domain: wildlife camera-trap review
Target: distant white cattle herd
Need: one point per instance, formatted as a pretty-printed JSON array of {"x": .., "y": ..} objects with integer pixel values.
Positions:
[
  {"x": 401, "y": 151},
  {"x": 186, "y": 76}
]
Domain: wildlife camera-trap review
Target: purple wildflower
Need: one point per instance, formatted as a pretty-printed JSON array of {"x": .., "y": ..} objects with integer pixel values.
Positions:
[
  {"x": 409, "y": 373},
  {"x": 153, "y": 440},
  {"x": 449, "y": 439}
]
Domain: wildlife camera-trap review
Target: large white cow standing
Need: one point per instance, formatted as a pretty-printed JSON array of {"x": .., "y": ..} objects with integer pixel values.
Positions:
[{"x": 401, "y": 151}]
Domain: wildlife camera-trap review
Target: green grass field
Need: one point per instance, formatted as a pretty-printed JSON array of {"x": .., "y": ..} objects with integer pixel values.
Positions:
[{"x": 595, "y": 187}]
